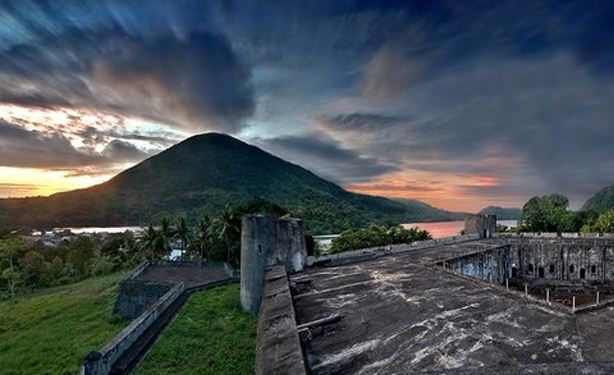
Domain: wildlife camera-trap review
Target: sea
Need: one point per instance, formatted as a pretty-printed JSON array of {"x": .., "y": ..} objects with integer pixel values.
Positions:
[{"x": 437, "y": 229}]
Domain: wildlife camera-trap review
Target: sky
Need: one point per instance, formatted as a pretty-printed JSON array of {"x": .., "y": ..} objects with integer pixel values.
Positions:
[{"x": 461, "y": 104}]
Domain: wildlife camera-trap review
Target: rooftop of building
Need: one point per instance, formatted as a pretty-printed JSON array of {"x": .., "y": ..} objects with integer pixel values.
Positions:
[{"x": 403, "y": 314}]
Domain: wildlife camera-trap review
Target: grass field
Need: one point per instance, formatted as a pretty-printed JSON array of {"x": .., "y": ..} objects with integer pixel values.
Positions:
[
  {"x": 50, "y": 331},
  {"x": 211, "y": 336}
]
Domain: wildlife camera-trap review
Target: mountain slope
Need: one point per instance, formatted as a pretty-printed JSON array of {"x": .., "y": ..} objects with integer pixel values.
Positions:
[
  {"x": 503, "y": 213},
  {"x": 202, "y": 174},
  {"x": 602, "y": 200}
]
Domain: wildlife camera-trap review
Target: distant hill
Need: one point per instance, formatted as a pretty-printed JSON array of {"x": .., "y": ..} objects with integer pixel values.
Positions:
[
  {"x": 201, "y": 175},
  {"x": 602, "y": 200},
  {"x": 428, "y": 212},
  {"x": 503, "y": 213}
]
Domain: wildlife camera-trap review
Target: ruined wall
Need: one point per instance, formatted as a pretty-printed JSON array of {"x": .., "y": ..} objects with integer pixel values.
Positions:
[
  {"x": 484, "y": 225},
  {"x": 101, "y": 362},
  {"x": 378, "y": 251},
  {"x": 491, "y": 266},
  {"x": 135, "y": 296},
  {"x": 268, "y": 241},
  {"x": 278, "y": 348},
  {"x": 565, "y": 258}
]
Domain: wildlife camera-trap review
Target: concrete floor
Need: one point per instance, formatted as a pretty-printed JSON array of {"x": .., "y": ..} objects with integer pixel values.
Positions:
[
  {"x": 191, "y": 276},
  {"x": 402, "y": 316}
]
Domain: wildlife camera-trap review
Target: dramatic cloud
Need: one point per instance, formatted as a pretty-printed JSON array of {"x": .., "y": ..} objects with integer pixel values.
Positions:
[
  {"x": 31, "y": 149},
  {"x": 34, "y": 149},
  {"x": 541, "y": 122},
  {"x": 462, "y": 104},
  {"x": 196, "y": 82},
  {"x": 198, "y": 79},
  {"x": 328, "y": 158}
]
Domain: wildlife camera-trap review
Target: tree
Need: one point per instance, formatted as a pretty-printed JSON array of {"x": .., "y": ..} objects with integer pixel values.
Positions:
[
  {"x": 228, "y": 232},
  {"x": 604, "y": 223},
  {"x": 182, "y": 232},
  {"x": 9, "y": 250},
  {"x": 376, "y": 235},
  {"x": 14, "y": 278},
  {"x": 205, "y": 229},
  {"x": 53, "y": 270},
  {"x": 548, "y": 213},
  {"x": 151, "y": 242},
  {"x": 33, "y": 266},
  {"x": 166, "y": 233},
  {"x": 81, "y": 254}
]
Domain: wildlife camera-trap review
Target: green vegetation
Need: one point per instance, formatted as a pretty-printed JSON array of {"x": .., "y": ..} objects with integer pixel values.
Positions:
[
  {"x": 375, "y": 235},
  {"x": 211, "y": 336},
  {"x": 503, "y": 213},
  {"x": 550, "y": 213},
  {"x": 50, "y": 332},
  {"x": 604, "y": 223},
  {"x": 203, "y": 174},
  {"x": 25, "y": 265},
  {"x": 602, "y": 201}
]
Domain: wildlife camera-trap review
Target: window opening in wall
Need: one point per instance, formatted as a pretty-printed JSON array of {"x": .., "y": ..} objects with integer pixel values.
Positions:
[
  {"x": 541, "y": 271},
  {"x": 514, "y": 272},
  {"x": 530, "y": 268},
  {"x": 582, "y": 273},
  {"x": 572, "y": 269},
  {"x": 593, "y": 269},
  {"x": 551, "y": 268}
]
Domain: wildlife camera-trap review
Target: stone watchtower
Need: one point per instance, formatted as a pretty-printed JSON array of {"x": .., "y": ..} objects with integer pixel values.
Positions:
[
  {"x": 484, "y": 225},
  {"x": 268, "y": 241}
]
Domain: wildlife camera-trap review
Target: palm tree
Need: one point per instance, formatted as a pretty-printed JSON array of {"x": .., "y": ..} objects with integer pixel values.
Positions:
[
  {"x": 204, "y": 236},
  {"x": 182, "y": 232},
  {"x": 150, "y": 242},
  {"x": 228, "y": 230},
  {"x": 166, "y": 234}
]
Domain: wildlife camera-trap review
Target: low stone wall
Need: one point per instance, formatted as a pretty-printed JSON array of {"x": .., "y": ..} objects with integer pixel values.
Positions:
[
  {"x": 100, "y": 362},
  {"x": 554, "y": 235},
  {"x": 138, "y": 270},
  {"x": 278, "y": 350},
  {"x": 375, "y": 252},
  {"x": 135, "y": 296},
  {"x": 488, "y": 265},
  {"x": 192, "y": 264}
]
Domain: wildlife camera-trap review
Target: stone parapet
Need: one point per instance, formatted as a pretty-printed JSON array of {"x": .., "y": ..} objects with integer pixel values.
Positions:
[{"x": 278, "y": 350}]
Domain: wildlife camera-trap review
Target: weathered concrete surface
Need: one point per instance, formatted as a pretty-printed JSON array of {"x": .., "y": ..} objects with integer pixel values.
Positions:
[
  {"x": 189, "y": 274},
  {"x": 402, "y": 316},
  {"x": 135, "y": 296},
  {"x": 278, "y": 350},
  {"x": 150, "y": 280},
  {"x": 484, "y": 225},
  {"x": 268, "y": 241}
]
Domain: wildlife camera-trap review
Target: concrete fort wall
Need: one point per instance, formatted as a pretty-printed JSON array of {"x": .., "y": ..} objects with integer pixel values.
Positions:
[
  {"x": 135, "y": 296},
  {"x": 563, "y": 258},
  {"x": 491, "y": 266},
  {"x": 193, "y": 264},
  {"x": 101, "y": 362},
  {"x": 268, "y": 241},
  {"x": 278, "y": 349},
  {"x": 483, "y": 225},
  {"x": 377, "y": 251}
]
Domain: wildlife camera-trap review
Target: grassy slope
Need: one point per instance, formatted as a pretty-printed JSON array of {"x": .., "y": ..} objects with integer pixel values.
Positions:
[
  {"x": 211, "y": 336},
  {"x": 51, "y": 331}
]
